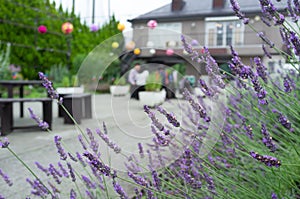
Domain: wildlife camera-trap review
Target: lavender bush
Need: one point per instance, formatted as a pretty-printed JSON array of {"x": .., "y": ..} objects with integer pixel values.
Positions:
[{"x": 254, "y": 151}]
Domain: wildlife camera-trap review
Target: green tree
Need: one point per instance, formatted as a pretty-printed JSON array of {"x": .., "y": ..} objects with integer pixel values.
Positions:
[{"x": 34, "y": 51}]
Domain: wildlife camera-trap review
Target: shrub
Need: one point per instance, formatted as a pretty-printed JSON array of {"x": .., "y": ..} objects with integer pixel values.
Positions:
[{"x": 153, "y": 82}]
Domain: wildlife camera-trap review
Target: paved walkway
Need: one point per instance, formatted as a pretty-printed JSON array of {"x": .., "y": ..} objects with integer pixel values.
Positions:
[{"x": 126, "y": 122}]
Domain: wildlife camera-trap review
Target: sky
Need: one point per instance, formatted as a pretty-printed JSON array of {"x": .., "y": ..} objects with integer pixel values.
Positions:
[{"x": 123, "y": 9}]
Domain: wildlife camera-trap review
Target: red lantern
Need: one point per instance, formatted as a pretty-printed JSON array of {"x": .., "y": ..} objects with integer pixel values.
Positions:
[
  {"x": 42, "y": 29},
  {"x": 67, "y": 28}
]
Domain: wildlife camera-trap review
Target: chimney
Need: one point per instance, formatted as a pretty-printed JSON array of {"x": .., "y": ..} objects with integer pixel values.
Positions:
[
  {"x": 218, "y": 4},
  {"x": 177, "y": 5}
]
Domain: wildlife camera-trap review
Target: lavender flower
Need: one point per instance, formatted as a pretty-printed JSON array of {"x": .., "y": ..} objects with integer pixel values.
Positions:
[
  {"x": 94, "y": 145},
  {"x": 211, "y": 185},
  {"x": 89, "y": 184},
  {"x": 63, "y": 170},
  {"x": 294, "y": 39},
  {"x": 60, "y": 150},
  {"x": 284, "y": 121},
  {"x": 156, "y": 180},
  {"x": 4, "y": 143},
  {"x": 6, "y": 178},
  {"x": 261, "y": 69},
  {"x": 287, "y": 86},
  {"x": 267, "y": 139},
  {"x": 141, "y": 151},
  {"x": 45, "y": 170},
  {"x": 267, "y": 53},
  {"x": 204, "y": 88},
  {"x": 138, "y": 179},
  {"x": 82, "y": 142},
  {"x": 155, "y": 121},
  {"x": 44, "y": 125},
  {"x": 120, "y": 190},
  {"x": 196, "y": 106},
  {"x": 236, "y": 8},
  {"x": 265, "y": 39},
  {"x": 97, "y": 164},
  {"x": 54, "y": 189},
  {"x": 109, "y": 143},
  {"x": 267, "y": 160},
  {"x": 55, "y": 174},
  {"x": 170, "y": 116},
  {"x": 48, "y": 85},
  {"x": 71, "y": 172},
  {"x": 274, "y": 196},
  {"x": 72, "y": 157},
  {"x": 38, "y": 188},
  {"x": 73, "y": 194},
  {"x": 80, "y": 159}
]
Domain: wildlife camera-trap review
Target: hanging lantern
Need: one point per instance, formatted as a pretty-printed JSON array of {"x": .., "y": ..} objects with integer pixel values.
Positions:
[
  {"x": 121, "y": 26},
  {"x": 67, "y": 28},
  {"x": 169, "y": 52},
  {"x": 130, "y": 45},
  {"x": 115, "y": 45},
  {"x": 152, "y": 51},
  {"x": 94, "y": 28},
  {"x": 137, "y": 51},
  {"x": 42, "y": 29},
  {"x": 194, "y": 42},
  {"x": 152, "y": 24}
]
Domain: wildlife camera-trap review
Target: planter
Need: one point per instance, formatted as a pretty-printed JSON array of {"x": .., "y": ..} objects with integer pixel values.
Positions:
[
  {"x": 152, "y": 98},
  {"x": 117, "y": 90}
]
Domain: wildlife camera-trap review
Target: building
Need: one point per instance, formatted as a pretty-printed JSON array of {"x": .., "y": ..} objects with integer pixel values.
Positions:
[{"x": 209, "y": 23}]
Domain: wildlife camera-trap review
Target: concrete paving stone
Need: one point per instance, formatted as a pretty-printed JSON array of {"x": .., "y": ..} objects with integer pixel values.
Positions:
[{"x": 127, "y": 125}]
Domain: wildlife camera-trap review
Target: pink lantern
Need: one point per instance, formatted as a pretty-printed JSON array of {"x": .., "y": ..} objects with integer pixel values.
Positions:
[
  {"x": 94, "y": 28},
  {"x": 67, "y": 28},
  {"x": 169, "y": 52},
  {"x": 42, "y": 29},
  {"x": 152, "y": 24}
]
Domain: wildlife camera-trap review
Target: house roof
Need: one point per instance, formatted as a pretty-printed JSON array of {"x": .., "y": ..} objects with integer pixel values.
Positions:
[{"x": 200, "y": 9}]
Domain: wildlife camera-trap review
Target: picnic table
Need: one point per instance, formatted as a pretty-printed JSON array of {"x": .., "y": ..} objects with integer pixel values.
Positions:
[
  {"x": 11, "y": 84},
  {"x": 6, "y": 104}
]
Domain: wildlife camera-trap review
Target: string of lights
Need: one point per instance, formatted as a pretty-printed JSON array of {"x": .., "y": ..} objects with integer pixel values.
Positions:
[
  {"x": 34, "y": 47},
  {"x": 27, "y": 26}
]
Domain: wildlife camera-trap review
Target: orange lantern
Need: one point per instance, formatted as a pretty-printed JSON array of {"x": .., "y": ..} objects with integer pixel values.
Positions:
[
  {"x": 137, "y": 51},
  {"x": 67, "y": 28},
  {"x": 121, "y": 26}
]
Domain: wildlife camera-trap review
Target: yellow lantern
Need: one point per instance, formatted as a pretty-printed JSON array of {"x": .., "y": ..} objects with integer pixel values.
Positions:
[
  {"x": 121, "y": 26},
  {"x": 115, "y": 45},
  {"x": 130, "y": 45},
  {"x": 67, "y": 28},
  {"x": 137, "y": 51}
]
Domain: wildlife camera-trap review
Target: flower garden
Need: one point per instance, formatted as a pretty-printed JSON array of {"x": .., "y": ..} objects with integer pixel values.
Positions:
[{"x": 246, "y": 147}]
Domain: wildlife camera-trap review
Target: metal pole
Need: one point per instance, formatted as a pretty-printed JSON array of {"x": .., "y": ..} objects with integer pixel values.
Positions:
[
  {"x": 93, "y": 17},
  {"x": 108, "y": 9},
  {"x": 73, "y": 6}
]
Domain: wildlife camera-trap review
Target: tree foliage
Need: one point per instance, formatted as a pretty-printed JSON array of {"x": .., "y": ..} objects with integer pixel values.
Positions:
[{"x": 34, "y": 51}]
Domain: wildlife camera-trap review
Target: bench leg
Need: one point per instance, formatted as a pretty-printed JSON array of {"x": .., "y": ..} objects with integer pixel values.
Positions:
[
  {"x": 88, "y": 107},
  {"x": 47, "y": 113},
  {"x": 6, "y": 118},
  {"x": 74, "y": 106}
]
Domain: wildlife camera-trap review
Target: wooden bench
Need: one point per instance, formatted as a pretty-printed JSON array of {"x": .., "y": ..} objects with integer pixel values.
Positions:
[
  {"x": 7, "y": 117},
  {"x": 79, "y": 105}
]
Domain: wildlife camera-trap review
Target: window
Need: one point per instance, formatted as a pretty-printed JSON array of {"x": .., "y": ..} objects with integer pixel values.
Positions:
[
  {"x": 224, "y": 31},
  {"x": 165, "y": 35}
]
